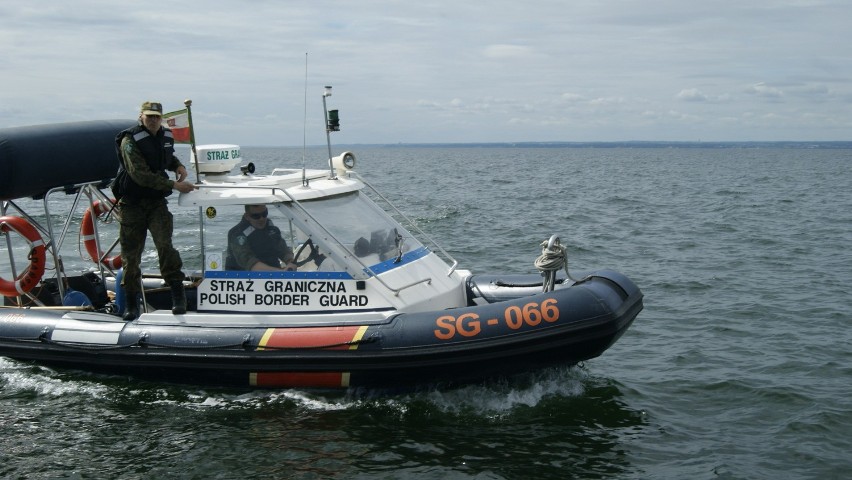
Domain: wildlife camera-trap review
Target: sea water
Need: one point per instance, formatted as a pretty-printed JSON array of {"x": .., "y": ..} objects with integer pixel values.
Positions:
[{"x": 740, "y": 365}]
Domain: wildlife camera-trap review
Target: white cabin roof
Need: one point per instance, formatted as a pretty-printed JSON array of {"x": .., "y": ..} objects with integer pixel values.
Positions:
[{"x": 281, "y": 186}]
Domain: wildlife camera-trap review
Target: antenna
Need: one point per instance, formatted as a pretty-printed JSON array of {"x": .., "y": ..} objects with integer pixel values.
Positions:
[{"x": 305, "y": 125}]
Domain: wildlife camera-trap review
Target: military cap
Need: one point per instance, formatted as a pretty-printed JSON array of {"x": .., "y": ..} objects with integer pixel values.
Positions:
[{"x": 152, "y": 108}]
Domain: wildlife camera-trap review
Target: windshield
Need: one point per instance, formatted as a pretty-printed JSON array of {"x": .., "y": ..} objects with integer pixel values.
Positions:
[
  {"x": 250, "y": 237},
  {"x": 351, "y": 219},
  {"x": 362, "y": 227}
]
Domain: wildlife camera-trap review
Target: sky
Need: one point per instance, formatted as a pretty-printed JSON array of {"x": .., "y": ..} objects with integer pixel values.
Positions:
[{"x": 439, "y": 71}]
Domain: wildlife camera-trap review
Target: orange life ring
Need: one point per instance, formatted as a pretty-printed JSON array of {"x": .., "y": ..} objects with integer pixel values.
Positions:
[
  {"x": 87, "y": 232},
  {"x": 30, "y": 277}
]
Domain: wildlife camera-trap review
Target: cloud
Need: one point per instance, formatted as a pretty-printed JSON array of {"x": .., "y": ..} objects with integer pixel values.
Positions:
[
  {"x": 528, "y": 70},
  {"x": 508, "y": 51},
  {"x": 573, "y": 98},
  {"x": 696, "y": 95},
  {"x": 692, "y": 95},
  {"x": 763, "y": 90},
  {"x": 605, "y": 101}
]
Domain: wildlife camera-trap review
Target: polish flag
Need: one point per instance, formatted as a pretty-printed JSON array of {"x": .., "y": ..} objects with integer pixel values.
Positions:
[{"x": 178, "y": 123}]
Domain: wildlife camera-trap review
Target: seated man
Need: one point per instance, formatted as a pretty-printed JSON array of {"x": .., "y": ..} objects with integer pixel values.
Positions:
[{"x": 256, "y": 244}]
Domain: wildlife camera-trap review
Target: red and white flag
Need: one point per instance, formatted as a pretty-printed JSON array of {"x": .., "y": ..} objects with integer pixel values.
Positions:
[{"x": 178, "y": 122}]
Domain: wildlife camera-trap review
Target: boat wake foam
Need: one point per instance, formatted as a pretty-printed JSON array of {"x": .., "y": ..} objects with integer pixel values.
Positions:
[
  {"x": 492, "y": 398},
  {"x": 21, "y": 379}
]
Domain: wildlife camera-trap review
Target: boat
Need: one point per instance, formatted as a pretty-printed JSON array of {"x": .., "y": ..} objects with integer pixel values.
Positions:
[{"x": 374, "y": 303}]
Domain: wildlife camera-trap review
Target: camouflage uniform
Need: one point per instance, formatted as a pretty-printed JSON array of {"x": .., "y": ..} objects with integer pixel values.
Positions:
[{"x": 138, "y": 215}]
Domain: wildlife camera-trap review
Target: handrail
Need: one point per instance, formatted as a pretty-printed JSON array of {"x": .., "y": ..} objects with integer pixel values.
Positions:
[
  {"x": 355, "y": 257},
  {"x": 411, "y": 223},
  {"x": 53, "y": 244},
  {"x": 280, "y": 193}
]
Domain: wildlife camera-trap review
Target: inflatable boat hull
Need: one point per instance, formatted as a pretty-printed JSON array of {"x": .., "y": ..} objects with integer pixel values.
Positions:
[{"x": 454, "y": 346}]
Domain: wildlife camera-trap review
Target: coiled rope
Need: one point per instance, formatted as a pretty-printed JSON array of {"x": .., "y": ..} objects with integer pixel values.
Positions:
[{"x": 553, "y": 258}]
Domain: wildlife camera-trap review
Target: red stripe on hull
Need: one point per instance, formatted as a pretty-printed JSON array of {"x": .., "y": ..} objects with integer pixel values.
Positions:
[
  {"x": 336, "y": 338},
  {"x": 300, "y": 379}
]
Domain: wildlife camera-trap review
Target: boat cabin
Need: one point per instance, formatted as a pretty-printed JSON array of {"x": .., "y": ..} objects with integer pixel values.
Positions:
[
  {"x": 353, "y": 258},
  {"x": 350, "y": 254}
]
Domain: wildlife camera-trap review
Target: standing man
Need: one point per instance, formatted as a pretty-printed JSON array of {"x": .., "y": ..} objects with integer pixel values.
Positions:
[
  {"x": 256, "y": 244},
  {"x": 146, "y": 151}
]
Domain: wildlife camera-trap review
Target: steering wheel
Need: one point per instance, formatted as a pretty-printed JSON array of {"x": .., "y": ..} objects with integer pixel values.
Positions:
[{"x": 313, "y": 254}]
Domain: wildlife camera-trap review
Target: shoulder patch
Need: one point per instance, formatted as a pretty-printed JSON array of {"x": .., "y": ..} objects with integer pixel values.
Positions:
[{"x": 241, "y": 240}]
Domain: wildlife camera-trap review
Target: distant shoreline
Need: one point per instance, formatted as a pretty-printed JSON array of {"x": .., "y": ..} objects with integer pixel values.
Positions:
[{"x": 625, "y": 144}]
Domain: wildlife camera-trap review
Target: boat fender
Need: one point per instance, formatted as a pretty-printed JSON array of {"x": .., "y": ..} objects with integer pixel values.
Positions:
[
  {"x": 73, "y": 298},
  {"x": 30, "y": 277},
  {"x": 87, "y": 232},
  {"x": 120, "y": 294}
]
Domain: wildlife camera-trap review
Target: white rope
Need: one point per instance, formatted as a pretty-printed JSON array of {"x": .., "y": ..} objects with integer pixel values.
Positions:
[{"x": 553, "y": 258}]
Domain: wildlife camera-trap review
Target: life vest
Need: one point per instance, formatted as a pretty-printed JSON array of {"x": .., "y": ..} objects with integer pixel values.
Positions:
[
  {"x": 263, "y": 244},
  {"x": 158, "y": 151}
]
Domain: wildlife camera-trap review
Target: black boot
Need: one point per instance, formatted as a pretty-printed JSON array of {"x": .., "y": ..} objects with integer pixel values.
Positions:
[
  {"x": 178, "y": 298},
  {"x": 131, "y": 310}
]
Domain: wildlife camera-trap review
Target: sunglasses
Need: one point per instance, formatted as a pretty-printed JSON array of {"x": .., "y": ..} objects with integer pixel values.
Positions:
[{"x": 258, "y": 216}]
